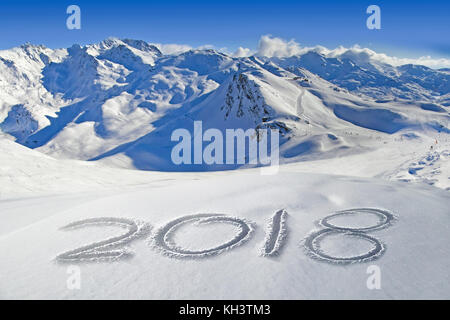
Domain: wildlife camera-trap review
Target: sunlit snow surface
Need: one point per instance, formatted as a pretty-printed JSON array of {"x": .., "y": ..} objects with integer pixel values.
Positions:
[
  {"x": 363, "y": 181},
  {"x": 34, "y": 238}
]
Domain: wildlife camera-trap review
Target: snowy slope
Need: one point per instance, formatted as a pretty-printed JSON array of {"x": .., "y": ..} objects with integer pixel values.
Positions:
[
  {"x": 313, "y": 116},
  {"x": 355, "y": 134},
  {"x": 103, "y": 101},
  {"x": 413, "y": 263},
  {"x": 29, "y": 173}
]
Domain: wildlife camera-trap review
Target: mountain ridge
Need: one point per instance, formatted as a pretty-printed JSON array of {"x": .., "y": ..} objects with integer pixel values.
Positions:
[{"x": 103, "y": 100}]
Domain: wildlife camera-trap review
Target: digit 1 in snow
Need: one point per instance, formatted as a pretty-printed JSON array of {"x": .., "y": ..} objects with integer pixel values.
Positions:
[{"x": 276, "y": 234}]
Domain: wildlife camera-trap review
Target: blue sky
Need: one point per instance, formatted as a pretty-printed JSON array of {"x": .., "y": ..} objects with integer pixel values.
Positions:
[{"x": 409, "y": 28}]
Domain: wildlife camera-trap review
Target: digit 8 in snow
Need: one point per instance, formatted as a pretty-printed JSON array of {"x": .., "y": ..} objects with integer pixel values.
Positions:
[{"x": 313, "y": 241}]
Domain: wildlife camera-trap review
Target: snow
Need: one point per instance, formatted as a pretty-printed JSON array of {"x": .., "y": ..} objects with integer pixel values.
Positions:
[
  {"x": 86, "y": 178},
  {"x": 413, "y": 265},
  {"x": 276, "y": 233}
]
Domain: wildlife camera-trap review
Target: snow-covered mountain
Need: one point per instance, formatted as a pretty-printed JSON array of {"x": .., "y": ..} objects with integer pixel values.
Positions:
[
  {"x": 360, "y": 74},
  {"x": 354, "y": 133},
  {"x": 119, "y": 101}
]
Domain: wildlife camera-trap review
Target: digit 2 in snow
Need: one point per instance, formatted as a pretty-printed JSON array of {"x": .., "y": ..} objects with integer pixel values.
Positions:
[{"x": 276, "y": 232}]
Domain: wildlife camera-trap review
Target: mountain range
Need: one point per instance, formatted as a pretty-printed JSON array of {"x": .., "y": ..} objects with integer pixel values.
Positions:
[
  {"x": 118, "y": 101},
  {"x": 363, "y": 183}
]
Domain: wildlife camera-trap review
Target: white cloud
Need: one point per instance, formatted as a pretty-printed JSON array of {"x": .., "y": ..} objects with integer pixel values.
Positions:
[
  {"x": 276, "y": 47},
  {"x": 269, "y": 46},
  {"x": 242, "y": 52},
  {"x": 368, "y": 54}
]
